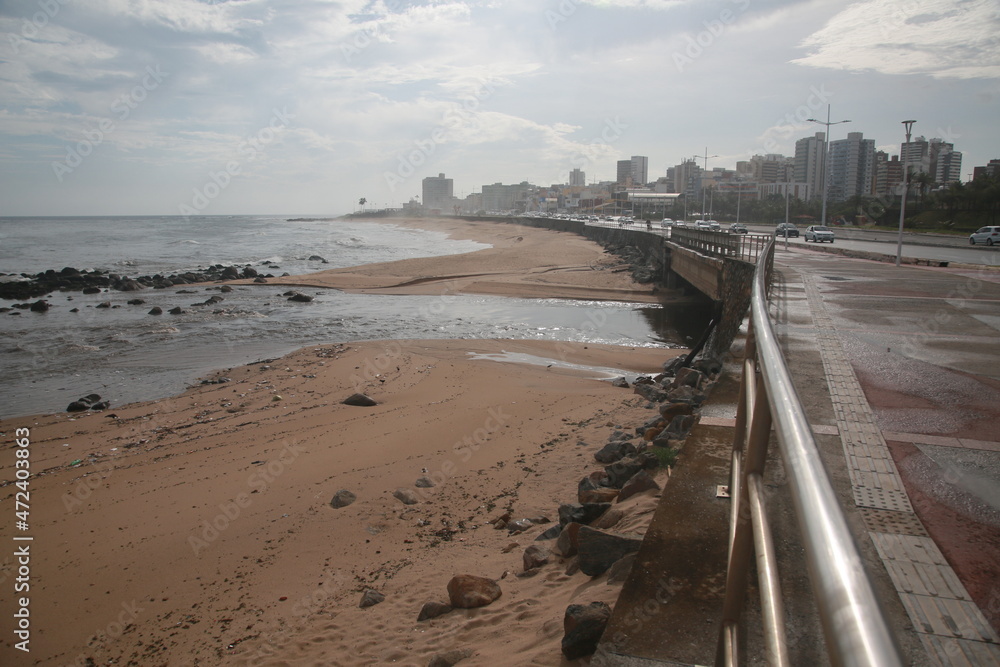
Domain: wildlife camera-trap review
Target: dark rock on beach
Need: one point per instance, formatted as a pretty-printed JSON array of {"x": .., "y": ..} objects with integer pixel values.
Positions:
[{"x": 583, "y": 626}]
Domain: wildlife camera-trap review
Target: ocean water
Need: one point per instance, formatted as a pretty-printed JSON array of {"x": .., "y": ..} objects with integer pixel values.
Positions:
[{"x": 126, "y": 355}]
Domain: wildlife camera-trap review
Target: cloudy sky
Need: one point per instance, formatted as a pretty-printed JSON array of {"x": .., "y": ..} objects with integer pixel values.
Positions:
[{"x": 164, "y": 107}]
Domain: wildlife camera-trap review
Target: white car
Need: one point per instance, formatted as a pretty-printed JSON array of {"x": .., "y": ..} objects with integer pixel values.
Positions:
[
  {"x": 987, "y": 235},
  {"x": 819, "y": 233},
  {"x": 666, "y": 222}
]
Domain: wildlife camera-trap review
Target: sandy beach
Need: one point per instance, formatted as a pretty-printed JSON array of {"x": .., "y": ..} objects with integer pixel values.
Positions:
[
  {"x": 523, "y": 262},
  {"x": 198, "y": 530}
]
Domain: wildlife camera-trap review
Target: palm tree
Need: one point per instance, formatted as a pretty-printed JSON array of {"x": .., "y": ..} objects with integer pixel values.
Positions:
[{"x": 362, "y": 202}]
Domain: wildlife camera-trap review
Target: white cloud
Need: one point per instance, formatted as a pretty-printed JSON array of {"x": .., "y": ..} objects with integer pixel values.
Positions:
[{"x": 940, "y": 38}]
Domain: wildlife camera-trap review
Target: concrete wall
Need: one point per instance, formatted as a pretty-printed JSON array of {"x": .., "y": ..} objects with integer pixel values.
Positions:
[{"x": 725, "y": 281}]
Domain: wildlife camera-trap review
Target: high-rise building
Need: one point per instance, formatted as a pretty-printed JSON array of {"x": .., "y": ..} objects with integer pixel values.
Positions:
[
  {"x": 687, "y": 179},
  {"x": 852, "y": 167},
  {"x": 810, "y": 154},
  {"x": 916, "y": 156},
  {"x": 768, "y": 168},
  {"x": 888, "y": 174},
  {"x": 438, "y": 192},
  {"x": 945, "y": 162},
  {"x": 577, "y": 177},
  {"x": 624, "y": 175},
  {"x": 640, "y": 170}
]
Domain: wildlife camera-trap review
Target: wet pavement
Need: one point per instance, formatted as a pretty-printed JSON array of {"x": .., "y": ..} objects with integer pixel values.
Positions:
[{"x": 898, "y": 370}]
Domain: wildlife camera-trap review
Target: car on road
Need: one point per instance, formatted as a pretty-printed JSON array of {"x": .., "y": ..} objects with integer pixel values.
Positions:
[
  {"x": 987, "y": 235},
  {"x": 787, "y": 229},
  {"x": 738, "y": 228},
  {"x": 819, "y": 233},
  {"x": 666, "y": 223}
]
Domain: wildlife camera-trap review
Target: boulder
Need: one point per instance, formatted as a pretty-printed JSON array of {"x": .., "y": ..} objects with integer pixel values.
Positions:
[
  {"x": 342, "y": 498},
  {"x": 550, "y": 534},
  {"x": 40, "y": 306},
  {"x": 176, "y": 311},
  {"x": 651, "y": 392},
  {"x": 406, "y": 496},
  {"x": 601, "y": 495},
  {"x": 680, "y": 426},
  {"x": 609, "y": 519},
  {"x": 671, "y": 367},
  {"x": 686, "y": 394},
  {"x": 230, "y": 273},
  {"x": 598, "y": 550},
  {"x": 618, "y": 572},
  {"x": 155, "y": 310},
  {"x": 639, "y": 482},
  {"x": 467, "y": 591},
  {"x": 424, "y": 482},
  {"x": 249, "y": 272},
  {"x": 581, "y": 513},
  {"x": 687, "y": 377},
  {"x": 520, "y": 525},
  {"x": 359, "y": 400},
  {"x": 567, "y": 543},
  {"x": 670, "y": 410},
  {"x": 614, "y": 451},
  {"x": 594, "y": 480},
  {"x": 535, "y": 556},
  {"x": 622, "y": 471},
  {"x": 84, "y": 403},
  {"x": 583, "y": 626},
  {"x": 135, "y": 302},
  {"x": 450, "y": 658},
  {"x": 433, "y": 610},
  {"x": 620, "y": 382},
  {"x": 371, "y": 598},
  {"x": 300, "y": 298},
  {"x": 317, "y": 258},
  {"x": 103, "y": 304}
]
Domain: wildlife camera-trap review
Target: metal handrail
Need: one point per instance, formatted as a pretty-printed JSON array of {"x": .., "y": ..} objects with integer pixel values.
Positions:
[{"x": 854, "y": 626}]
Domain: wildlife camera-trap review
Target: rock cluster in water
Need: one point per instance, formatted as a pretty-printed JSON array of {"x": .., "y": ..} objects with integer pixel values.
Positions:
[{"x": 70, "y": 279}]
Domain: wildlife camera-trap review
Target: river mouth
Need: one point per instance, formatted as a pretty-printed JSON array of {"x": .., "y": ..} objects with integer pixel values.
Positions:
[{"x": 125, "y": 354}]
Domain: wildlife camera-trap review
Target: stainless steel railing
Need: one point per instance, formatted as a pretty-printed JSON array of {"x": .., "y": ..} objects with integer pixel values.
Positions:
[
  {"x": 747, "y": 247},
  {"x": 854, "y": 627}
]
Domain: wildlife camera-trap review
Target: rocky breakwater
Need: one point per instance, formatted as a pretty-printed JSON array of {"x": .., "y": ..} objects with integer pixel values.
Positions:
[
  {"x": 69, "y": 279},
  {"x": 600, "y": 530}
]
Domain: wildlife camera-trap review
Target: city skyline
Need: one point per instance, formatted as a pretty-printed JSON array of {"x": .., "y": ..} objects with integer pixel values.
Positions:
[{"x": 193, "y": 107}]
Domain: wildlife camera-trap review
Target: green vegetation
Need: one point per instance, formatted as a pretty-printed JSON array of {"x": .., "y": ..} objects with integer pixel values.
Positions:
[{"x": 667, "y": 456}]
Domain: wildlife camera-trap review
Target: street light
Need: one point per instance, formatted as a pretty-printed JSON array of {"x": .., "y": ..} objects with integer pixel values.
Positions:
[
  {"x": 705, "y": 157},
  {"x": 826, "y": 153},
  {"x": 902, "y": 205}
]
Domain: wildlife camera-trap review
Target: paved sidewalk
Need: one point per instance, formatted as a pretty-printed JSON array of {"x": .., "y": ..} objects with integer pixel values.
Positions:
[
  {"x": 948, "y": 621},
  {"x": 899, "y": 371}
]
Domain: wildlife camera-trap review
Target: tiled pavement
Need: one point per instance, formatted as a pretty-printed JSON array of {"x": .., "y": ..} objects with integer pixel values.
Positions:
[{"x": 950, "y": 625}]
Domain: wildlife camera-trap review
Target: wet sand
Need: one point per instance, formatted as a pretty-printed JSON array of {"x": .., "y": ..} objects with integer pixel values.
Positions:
[{"x": 198, "y": 529}]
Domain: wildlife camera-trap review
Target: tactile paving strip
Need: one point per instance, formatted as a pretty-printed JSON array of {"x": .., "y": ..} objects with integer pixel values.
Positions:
[
  {"x": 951, "y": 626},
  {"x": 888, "y": 521}
]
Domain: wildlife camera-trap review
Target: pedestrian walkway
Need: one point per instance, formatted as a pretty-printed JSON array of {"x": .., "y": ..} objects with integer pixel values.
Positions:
[{"x": 920, "y": 344}]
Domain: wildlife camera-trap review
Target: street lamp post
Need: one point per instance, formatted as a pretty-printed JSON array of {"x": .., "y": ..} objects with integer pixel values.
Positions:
[
  {"x": 908, "y": 124},
  {"x": 705, "y": 157},
  {"x": 826, "y": 154}
]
